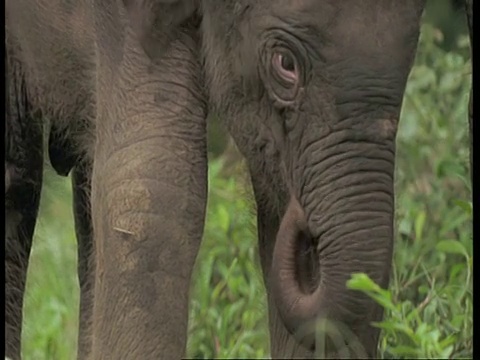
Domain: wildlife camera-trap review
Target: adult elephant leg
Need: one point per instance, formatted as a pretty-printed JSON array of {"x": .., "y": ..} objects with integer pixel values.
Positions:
[
  {"x": 23, "y": 182},
  {"x": 149, "y": 190},
  {"x": 81, "y": 183}
]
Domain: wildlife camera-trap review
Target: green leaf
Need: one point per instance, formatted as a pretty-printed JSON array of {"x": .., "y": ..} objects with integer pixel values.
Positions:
[
  {"x": 451, "y": 247},
  {"x": 465, "y": 205},
  {"x": 405, "y": 226},
  {"x": 419, "y": 224},
  {"x": 361, "y": 281},
  {"x": 454, "y": 272},
  {"x": 223, "y": 218},
  {"x": 404, "y": 351}
]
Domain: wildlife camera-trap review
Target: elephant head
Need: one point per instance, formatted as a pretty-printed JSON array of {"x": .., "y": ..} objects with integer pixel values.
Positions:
[{"x": 311, "y": 92}]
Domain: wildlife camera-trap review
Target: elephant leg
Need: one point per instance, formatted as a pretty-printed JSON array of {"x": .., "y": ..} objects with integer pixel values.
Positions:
[
  {"x": 23, "y": 182},
  {"x": 81, "y": 180},
  {"x": 149, "y": 190}
]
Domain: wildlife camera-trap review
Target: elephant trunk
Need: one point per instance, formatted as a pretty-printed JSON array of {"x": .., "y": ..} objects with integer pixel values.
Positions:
[{"x": 343, "y": 213}]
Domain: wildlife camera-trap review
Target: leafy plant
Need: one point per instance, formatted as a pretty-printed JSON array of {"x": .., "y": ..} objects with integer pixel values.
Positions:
[{"x": 428, "y": 308}]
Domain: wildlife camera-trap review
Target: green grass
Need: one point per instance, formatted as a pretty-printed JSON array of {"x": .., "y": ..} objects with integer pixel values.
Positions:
[{"x": 429, "y": 302}]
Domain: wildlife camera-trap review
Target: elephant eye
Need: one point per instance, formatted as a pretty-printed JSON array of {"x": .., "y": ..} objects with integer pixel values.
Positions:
[
  {"x": 283, "y": 72},
  {"x": 285, "y": 66}
]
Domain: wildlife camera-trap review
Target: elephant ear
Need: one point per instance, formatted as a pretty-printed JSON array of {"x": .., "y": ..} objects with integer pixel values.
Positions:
[{"x": 155, "y": 21}]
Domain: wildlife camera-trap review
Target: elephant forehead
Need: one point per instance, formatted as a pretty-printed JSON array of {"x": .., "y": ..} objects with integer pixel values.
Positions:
[
  {"x": 358, "y": 13},
  {"x": 351, "y": 25},
  {"x": 317, "y": 14},
  {"x": 375, "y": 23},
  {"x": 307, "y": 5}
]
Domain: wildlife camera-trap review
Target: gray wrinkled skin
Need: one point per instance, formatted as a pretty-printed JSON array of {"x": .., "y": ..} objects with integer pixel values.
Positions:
[{"x": 311, "y": 92}]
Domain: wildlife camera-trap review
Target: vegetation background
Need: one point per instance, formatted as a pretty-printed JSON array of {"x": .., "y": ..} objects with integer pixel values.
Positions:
[{"x": 429, "y": 302}]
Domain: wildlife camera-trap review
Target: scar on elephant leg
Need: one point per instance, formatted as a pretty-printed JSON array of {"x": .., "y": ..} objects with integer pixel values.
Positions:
[{"x": 124, "y": 231}]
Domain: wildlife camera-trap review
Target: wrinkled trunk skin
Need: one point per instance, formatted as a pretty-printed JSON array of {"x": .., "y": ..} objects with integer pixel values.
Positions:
[
  {"x": 149, "y": 192},
  {"x": 346, "y": 208},
  {"x": 345, "y": 204}
]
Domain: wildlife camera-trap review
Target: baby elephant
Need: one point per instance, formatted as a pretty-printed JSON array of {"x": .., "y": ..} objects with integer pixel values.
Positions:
[{"x": 311, "y": 92}]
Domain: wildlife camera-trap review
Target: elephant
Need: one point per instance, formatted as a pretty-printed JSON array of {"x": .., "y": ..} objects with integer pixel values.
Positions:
[{"x": 310, "y": 91}]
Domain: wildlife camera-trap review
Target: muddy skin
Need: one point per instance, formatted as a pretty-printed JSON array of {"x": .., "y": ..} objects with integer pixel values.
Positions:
[{"x": 311, "y": 92}]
